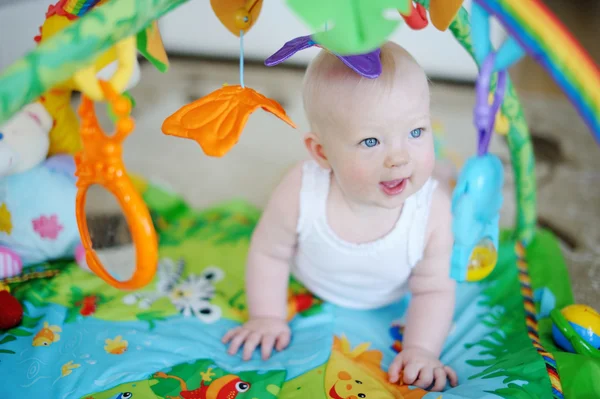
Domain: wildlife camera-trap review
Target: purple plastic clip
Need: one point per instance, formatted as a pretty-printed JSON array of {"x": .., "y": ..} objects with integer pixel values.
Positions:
[
  {"x": 367, "y": 65},
  {"x": 485, "y": 115}
]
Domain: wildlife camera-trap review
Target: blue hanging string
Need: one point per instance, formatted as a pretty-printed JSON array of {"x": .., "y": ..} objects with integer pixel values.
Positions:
[{"x": 242, "y": 58}]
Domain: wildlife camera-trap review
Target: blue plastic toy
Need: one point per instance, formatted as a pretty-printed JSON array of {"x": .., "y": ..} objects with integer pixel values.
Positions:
[{"x": 477, "y": 197}]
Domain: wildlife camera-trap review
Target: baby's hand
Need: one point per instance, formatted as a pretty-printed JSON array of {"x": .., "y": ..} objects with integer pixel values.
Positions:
[
  {"x": 266, "y": 332},
  {"x": 421, "y": 368}
]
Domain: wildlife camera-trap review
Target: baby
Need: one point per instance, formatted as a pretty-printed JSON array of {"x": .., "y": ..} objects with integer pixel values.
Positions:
[{"x": 363, "y": 222}]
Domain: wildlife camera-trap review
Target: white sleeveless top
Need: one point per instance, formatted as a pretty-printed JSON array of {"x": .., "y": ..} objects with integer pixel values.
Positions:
[{"x": 361, "y": 276}]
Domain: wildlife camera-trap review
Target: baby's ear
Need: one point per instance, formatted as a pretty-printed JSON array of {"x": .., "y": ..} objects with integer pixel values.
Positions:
[{"x": 315, "y": 149}]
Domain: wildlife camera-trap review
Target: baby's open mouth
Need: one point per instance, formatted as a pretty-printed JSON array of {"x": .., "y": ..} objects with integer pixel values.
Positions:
[{"x": 393, "y": 187}]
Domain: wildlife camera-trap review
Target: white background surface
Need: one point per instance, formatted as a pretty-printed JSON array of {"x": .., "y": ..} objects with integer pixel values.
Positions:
[{"x": 192, "y": 28}]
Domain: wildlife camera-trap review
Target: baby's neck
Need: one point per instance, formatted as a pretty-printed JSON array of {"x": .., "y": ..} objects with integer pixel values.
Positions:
[{"x": 355, "y": 222}]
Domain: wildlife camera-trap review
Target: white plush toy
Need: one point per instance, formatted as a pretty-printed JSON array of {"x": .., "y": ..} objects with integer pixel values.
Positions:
[{"x": 37, "y": 195}]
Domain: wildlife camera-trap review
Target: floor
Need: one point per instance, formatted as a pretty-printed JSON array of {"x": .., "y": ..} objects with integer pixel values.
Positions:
[{"x": 567, "y": 158}]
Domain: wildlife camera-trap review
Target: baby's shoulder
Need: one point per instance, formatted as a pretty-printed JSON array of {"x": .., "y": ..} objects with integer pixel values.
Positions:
[
  {"x": 440, "y": 212},
  {"x": 291, "y": 182}
]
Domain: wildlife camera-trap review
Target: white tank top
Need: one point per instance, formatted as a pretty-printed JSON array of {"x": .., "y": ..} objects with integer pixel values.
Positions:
[{"x": 361, "y": 276}]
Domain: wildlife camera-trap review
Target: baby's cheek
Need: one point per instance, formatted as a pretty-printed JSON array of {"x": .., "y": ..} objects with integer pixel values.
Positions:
[
  {"x": 425, "y": 157},
  {"x": 355, "y": 176}
]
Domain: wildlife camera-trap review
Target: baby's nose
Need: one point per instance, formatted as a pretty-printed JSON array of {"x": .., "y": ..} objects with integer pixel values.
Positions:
[{"x": 397, "y": 159}]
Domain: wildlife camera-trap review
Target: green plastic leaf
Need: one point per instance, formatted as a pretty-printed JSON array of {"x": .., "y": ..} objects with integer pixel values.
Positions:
[
  {"x": 7, "y": 351},
  {"x": 359, "y": 26}
]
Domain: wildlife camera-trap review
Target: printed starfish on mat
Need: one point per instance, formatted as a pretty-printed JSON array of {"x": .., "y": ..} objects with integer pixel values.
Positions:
[{"x": 216, "y": 121}]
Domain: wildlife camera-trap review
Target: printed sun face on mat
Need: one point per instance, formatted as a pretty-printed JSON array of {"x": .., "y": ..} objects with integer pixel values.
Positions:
[
  {"x": 357, "y": 374},
  {"x": 191, "y": 296}
]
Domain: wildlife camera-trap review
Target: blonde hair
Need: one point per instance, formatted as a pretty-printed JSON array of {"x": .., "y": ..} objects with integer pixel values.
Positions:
[{"x": 334, "y": 93}]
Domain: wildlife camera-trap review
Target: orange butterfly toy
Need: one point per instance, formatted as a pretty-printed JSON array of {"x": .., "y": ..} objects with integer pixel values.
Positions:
[{"x": 217, "y": 120}]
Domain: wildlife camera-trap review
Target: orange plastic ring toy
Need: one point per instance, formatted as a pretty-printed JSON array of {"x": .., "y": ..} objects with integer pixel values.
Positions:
[{"x": 100, "y": 162}]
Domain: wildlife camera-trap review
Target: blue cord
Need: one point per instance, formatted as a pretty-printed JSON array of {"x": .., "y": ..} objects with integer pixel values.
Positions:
[{"x": 242, "y": 58}]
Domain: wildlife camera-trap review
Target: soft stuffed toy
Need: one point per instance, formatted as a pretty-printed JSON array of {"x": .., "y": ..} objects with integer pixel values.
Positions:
[{"x": 37, "y": 195}]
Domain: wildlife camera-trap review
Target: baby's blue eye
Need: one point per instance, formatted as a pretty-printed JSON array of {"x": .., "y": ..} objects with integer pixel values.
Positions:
[
  {"x": 416, "y": 133},
  {"x": 370, "y": 142}
]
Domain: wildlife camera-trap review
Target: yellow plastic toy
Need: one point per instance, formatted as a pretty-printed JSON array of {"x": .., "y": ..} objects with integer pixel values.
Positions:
[
  {"x": 64, "y": 136},
  {"x": 482, "y": 261}
]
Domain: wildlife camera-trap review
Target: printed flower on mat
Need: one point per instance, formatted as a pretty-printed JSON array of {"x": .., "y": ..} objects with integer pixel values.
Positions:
[
  {"x": 190, "y": 296},
  {"x": 67, "y": 368},
  {"x": 116, "y": 346},
  {"x": 5, "y": 219},
  {"x": 216, "y": 121},
  {"x": 47, "y": 227}
]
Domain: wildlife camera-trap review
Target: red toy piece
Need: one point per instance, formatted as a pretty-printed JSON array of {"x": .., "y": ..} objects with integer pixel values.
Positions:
[
  {"x": 417, "y": 19},
  {"x": 11, "y": 311}
]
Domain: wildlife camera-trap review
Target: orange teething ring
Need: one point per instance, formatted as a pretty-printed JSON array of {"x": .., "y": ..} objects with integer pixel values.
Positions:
[{"x": 100, "y": 162}]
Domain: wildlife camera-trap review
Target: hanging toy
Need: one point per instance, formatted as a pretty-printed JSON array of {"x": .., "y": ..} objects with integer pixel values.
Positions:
[
  {"x": 477, "y": 197},
  {"x": 443, "y": 12},
  {"x": 100, "y": 162},
  {"x": 217, "y": 120},
  {"x": 358, "y": 27},
  {"x": 367, "y": 65},
  {"x": 416, "y": 18}
]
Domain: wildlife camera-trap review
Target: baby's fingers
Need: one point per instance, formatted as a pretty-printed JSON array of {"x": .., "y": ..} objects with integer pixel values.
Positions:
[
  {"x": 439, "y": 377},
  {"x": 411, "y": 371},
  {"x": 394, "y": 370},
  {"x": 230, "y": 334},
  {"x": 237, "y": 341},
  {"x": 425, "y": 378},
  {"x": 250, "y": 345},
  {"x": 283, "y": 340},
  {"x": 451, "y": 376},
  {"x": 266, "y": 346}
]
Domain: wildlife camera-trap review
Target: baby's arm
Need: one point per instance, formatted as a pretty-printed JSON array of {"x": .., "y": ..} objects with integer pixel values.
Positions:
[
  {"x": 431, "y": 309},
  {"x": 267, "y": 272}
]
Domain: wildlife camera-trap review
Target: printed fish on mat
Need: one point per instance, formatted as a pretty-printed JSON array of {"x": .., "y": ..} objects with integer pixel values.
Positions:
[{"x": 47, "y": 335}]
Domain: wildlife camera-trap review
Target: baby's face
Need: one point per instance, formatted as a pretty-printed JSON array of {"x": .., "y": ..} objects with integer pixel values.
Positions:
[{"x": 383, "y": 158}]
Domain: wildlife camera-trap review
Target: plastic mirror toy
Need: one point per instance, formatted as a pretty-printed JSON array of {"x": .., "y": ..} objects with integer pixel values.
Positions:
[
  {"x": 100, "y": 162},
  {"x": 576, "y": 329}
]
